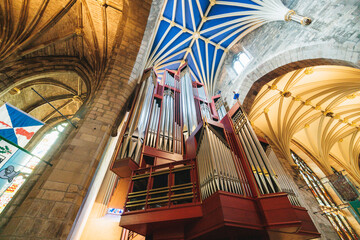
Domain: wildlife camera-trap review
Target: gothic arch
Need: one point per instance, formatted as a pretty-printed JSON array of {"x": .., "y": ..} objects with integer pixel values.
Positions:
[{"x": 308, "y": 56}]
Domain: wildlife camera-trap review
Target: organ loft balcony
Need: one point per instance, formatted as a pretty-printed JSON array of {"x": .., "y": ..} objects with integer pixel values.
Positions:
[{"x": 199, "y": 172}]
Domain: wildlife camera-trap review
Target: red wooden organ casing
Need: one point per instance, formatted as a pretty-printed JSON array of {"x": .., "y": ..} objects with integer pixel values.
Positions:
[{"x": 198, "y": 172}]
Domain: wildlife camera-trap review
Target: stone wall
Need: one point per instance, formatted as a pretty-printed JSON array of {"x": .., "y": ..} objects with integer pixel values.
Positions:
[
  {"x": 279, "y": 47},
  {"x": 306, "y": 198},
  {"x": 50, "y": 208}
]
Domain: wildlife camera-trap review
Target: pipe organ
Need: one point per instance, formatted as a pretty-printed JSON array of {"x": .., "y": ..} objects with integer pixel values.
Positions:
[
  {"x": 262, "y": 171},
  {"x": 216, "y": 166},
  {"x": 197, "y": 171}
]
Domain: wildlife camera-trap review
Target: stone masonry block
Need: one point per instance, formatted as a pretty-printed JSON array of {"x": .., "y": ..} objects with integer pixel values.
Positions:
[
  {"x": 51, "y": 229},
  {"x": 59, "y": 175},
  {"x": 60, "y": 210},
  {"x": 50, "y": 185},
  {"x": 53, "y": 195}
]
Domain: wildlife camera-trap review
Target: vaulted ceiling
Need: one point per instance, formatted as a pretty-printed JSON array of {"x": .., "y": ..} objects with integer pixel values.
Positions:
[
  {"x": 201, "y": 32},
  {"x": 85, "y": 28},
  {"x": 61, "y": 48},
  {"x": 317, "y": 109}
]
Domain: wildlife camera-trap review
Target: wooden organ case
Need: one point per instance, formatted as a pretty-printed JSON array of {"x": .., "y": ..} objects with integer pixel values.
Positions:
[{"x": 198, "y": 172}]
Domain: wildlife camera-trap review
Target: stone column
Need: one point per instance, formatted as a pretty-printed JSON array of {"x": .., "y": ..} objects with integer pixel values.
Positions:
[{"x": 306, "y": 198}]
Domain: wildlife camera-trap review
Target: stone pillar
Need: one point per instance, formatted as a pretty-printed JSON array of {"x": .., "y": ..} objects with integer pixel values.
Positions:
[
  {"x": 50, "y": 208},
  {"x": 306, "y": 198}
]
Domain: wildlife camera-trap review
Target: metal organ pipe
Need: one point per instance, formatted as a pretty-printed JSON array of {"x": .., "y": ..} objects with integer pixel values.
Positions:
[
  {"x": 153, "y": 125},
  {"x": 171, "y": 123},
  {"x": 261, "y": 168},
  {"x": 191, "y": 103},
  {"x": 157, "y": 117},
  {"x": 219, "y": 105},
  {"x": 217, "y": 170},
  {"x": 162, "y": 124},
  {"x": 188, "y": 104},
  {"x": 205, "y": 110},
  {"x": 167, "y": 118},
  {"x": 184, "y": 109},
  {"x": 177, "y": 123},
  {"x": 167, "y": 121},
  {"x": 177, "y": 126},
  {"x": 285, "y": 182},
  {"x": 134, "y": 135},
  {"x": 201, "y": 92},
  {"x": 265, "y": 161}
]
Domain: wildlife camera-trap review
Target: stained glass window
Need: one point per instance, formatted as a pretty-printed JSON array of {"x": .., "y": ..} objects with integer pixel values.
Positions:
[
  {"x": 25, "y": 163},
  {"x": 326, "y": 203}
]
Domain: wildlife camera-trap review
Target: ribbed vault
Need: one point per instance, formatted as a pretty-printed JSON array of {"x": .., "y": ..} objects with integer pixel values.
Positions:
[
  {"x": 64, "y": 90},
  {"x": 84, "y": 28},
  {"x": 61, "y": 48},
  {"x": 201, "y": 32},
  {"x": 318, "y": 109}
]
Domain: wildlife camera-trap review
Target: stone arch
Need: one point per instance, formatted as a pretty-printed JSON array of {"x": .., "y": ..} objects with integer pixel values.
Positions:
[
  {"x": 25, "y": 70},
  {"x": 287, "y": 61}
]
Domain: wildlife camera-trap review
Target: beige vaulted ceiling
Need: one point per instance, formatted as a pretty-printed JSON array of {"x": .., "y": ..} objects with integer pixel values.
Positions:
[
  {"x": 317, "y": 109},
  {"x": 60, "y": 48},
  {"x": 85, "y": 28}
]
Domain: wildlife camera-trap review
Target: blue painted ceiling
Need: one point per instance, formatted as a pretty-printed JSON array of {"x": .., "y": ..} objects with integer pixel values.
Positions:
[{"x": 200, "y": 32}]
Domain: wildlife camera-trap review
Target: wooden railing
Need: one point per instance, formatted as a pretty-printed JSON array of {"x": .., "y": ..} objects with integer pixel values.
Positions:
[{"x": 163, "y": 186}]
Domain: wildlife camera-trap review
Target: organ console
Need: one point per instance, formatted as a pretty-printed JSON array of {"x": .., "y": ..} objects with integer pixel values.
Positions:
[{"x": 199, "y": 172}]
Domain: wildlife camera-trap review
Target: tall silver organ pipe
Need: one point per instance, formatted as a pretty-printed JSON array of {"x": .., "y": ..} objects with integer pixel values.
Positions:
[
  {"x": 169, "y": 80},
  {"x": 201, "y": 93},
  {"x": 220, "y": 108},
  {"x": 265, "y": 176},
  {"x": 177, "y": 123},
  {"x": 134, "y": 134},
  {"x": 216, "y": 166},
  {"x": 205, "y": 110},
  {"x": 188, "y": 104},
  {"x": 153, "y": 124},
  {"x": 285, "y": 182},
  {"x": 167, "y": 121}
]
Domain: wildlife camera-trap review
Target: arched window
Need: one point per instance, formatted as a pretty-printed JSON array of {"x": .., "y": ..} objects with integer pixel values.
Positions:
[
  {"x": 48, "y": 140},
  {"x": 326, "y": 203},
  {"x": 28, "y": 161},
  {"x": 241, "y": 60}
]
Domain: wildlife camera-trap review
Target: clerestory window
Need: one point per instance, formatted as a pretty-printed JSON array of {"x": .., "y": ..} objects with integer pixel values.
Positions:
[{"x": 241, "y": 60}]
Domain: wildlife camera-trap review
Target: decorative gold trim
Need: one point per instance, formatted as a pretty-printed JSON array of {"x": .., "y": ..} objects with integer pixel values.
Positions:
[
  {"x": 139, "y": 192},
  {"x": 160, "y": 172},
  {"x": 182, "y": 188},
  {"x": 182, "y": 168},
  {"x": 157, "y": 198},
  {"x": 182, "y": 194},
  {"x": 135, "y": 196},
  {"x": 158, "y": 189},
  {"x": 161, "y": 201},
  {"x": 289, "y": 14},
  {"x": 182, "y": 185},
  {"x": 137, "y": 201},
  {"x": 140, "y": 176}
]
